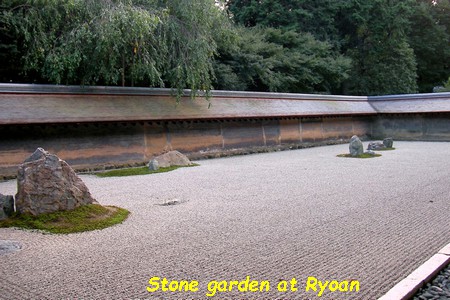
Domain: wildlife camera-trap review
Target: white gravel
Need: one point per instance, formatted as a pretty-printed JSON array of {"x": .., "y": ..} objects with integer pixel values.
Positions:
[{"x": 271, "y": 216}]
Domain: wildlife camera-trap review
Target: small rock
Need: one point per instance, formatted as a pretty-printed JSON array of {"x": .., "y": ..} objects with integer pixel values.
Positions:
[
  {"x": 370, "y": 152},
  {"x": 6, "y": 206},
  {"x": 436, "y": 289},
  {"x": 356, "y": 147},
  {"x": 172, "y": 158},
  {"x": 376, "y": 146},
  {"x": 153, "y": 165},
  {"x": 425, "y": 296},
  {"x": 388, "y": 142},
  {"x": 172, "y": 202},
  {"x": 9, "y": 246}
]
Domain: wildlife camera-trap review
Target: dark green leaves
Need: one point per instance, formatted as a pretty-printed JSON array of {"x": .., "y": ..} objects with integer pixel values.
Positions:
[
  {"x": 269, "y": 59},
  {"x": 389, "y": 44},
  {"x": 315, "y": 46},
  {"x": 122, "y": 42}
]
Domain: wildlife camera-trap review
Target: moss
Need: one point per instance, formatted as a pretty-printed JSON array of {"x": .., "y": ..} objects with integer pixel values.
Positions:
[
  {"x": 364, "y": 155},
  {"x": 84, "y": 218},
  {"x": 385, "y": 149},
  {"x": 138, "y": 171}
]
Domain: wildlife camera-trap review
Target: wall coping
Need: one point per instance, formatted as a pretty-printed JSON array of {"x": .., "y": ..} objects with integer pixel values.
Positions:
[{"x": 38, "y": 104}]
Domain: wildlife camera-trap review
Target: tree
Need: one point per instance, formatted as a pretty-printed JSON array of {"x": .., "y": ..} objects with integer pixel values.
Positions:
[
  {"x": 326, "y": 46},
  {"x": 189, "y": 42},
  {"x": 287, "y": 46},
  {"x": 141, "y": 42},
  {"x": 373, "y": 34},
  {"x": 376, "y": 40},
  {"x": 269, "y": 59},
  {"x": 430, "y": 39},
  {"x": 10, "y": 51}
]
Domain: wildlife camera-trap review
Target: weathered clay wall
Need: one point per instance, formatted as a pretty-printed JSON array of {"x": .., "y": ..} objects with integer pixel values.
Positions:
[
  {"x": 98, "y": 145},
  {"x": 414, "y": 127},
  {"x": 101, "y": 127}
]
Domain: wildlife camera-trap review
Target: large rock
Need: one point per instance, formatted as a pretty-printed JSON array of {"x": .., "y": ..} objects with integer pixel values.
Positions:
[
  {"x": 388, "y": 142},
  {"x": 6, "y": 206},
  {"x": 376, "y": 146},
  {"x": 356, "y": 146},
  {"x": 171, "y": 158},
  {"x": 46, "y": 184}
]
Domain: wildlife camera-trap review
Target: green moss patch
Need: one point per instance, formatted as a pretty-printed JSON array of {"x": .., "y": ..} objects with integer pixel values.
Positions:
[
  {"x": 84, "y": 218},
  {"x": 364, "y": 155},
  {"x": 385, "y": 149},
  {"x": 138, "y": 171}
]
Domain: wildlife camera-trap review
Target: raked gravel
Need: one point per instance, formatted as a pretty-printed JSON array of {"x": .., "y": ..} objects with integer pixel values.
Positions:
[{"x": 272, "y": 216}]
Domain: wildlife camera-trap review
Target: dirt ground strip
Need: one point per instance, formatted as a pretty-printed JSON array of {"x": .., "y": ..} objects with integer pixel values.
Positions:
[{"x": 303, "y": 214}]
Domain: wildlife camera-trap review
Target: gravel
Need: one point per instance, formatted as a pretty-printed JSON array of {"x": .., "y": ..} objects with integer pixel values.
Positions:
[
  {"x": 438, "y": 288},
  {"x": 273, "y": 216}
]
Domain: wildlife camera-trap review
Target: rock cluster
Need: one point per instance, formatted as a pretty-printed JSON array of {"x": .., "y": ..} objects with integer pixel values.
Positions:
[
  {"x": 171, "y": 158},
  {"x": 47, "y": 184},
  {"x": 356, "y": 147},
  {"x": 387, "y": 143}
]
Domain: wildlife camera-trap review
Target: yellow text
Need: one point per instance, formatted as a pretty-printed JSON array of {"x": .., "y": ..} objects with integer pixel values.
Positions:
[
  {"x": 246, "y": 285},
  {"x": 165, "y": 285},
  {"x": 312, "y": 283}
]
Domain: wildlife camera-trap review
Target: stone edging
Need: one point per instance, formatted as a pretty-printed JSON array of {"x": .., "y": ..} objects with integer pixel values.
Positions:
[{"x": 406, "y": 288}]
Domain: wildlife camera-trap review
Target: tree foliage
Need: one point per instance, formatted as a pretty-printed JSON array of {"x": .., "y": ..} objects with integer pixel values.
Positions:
[
  {"x": 269, "y": 59},
  {"x": 285, "y": 46},
  {"x": 142, "y": 42},
  {"x": 376, "y": 40},
  {"x": 315, "y": 46},
  {"x": 430, "y": 39},
  {"x": 370, "y": 33},
  {"x": 10, "y": 51},
  {"x": 316, "y": 17}
]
